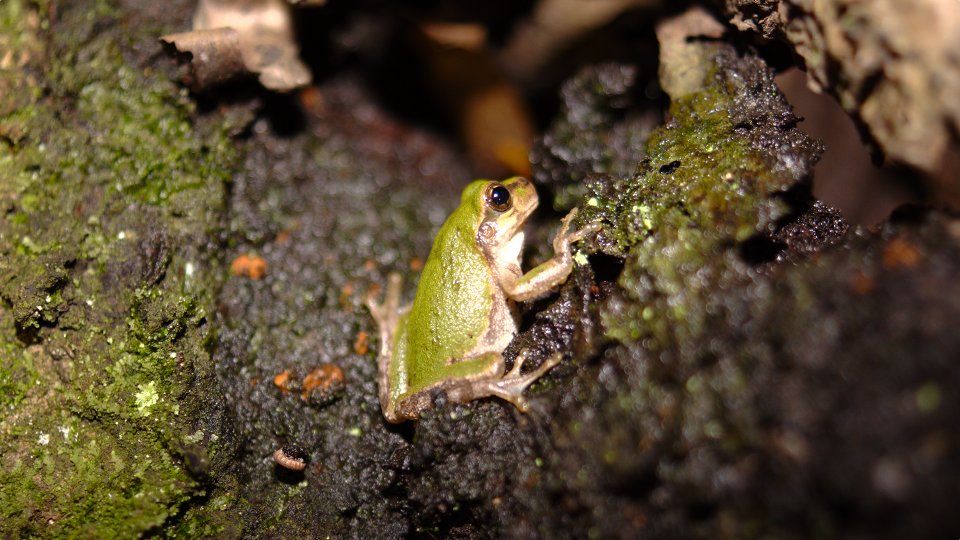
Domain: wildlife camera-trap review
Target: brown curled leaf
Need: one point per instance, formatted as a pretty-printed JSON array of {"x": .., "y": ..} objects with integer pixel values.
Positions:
[
  {"x": 553, "y": 26},
  {"x": 213, "y": 56},
  {"x": 231, "y": 38}
]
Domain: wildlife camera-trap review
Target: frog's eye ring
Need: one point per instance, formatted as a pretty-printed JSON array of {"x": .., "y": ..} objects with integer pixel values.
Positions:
[{"x": 498, "y": 197}]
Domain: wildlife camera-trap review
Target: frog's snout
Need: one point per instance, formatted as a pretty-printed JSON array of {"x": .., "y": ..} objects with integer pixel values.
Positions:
[{"x": 524, "y": 195}]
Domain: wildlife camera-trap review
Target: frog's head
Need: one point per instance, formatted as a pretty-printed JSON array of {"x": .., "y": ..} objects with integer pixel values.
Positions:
[{"x": 503, "y": 208}]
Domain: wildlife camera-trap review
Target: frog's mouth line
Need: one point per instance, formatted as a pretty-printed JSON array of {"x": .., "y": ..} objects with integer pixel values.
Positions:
[
  {"x": 516, "y": 230},
  {"x": 521, "y": 216}
]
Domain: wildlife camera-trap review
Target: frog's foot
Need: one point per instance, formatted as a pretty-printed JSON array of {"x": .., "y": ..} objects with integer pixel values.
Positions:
[
  {"x": 386, "y": 313},
  {"x": 512, "y": 385},
  {"x": 388, "y": 316}
]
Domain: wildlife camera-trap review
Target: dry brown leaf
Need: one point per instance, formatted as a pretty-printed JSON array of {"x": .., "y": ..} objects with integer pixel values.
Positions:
[
  {"x": 893, "y": 65},
  {"x": 495, "y": 124},
  {"x": 214, "y": 55},
  {"x": 233, "y": 37},
  {"x": 683, "y": 66},
  {"x": 554, "y": 26}
]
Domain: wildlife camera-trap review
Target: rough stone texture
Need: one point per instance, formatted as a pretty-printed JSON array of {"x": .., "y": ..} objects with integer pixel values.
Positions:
[
  {"x": 600, "y": 129},
  {"x": 771, "y": 391},
  {"x": 737, "y": 364},
  {"x": 894, "y": 69},
  {"x": 811, "y": 407},
  {"x": 803, "y": 235},
  {"x": 709, "y": 181},
  {"x": 331, "y": 209}
]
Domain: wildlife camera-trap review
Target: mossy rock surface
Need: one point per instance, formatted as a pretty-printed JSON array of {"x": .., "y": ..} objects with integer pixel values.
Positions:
[{"x": 113, "y": 199}]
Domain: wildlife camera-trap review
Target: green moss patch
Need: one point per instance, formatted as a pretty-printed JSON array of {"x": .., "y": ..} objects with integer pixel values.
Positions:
[
  {"x": 708, "y": 183},
  {"x": 110, "y": 198}
]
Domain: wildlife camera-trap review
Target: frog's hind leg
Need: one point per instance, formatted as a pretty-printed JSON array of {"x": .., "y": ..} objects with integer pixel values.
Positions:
[
  {"x": 507, "y": 386},
  {"x": 387, "y": 315},
  {"x": 512, "y": 385}
]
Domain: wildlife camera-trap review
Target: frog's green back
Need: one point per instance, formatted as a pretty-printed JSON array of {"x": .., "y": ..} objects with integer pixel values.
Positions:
[{"x": 451, "y": 308}]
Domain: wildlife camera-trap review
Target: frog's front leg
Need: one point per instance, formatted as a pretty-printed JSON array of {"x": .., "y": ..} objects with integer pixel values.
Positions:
[
  {"x": 388, "y": 316},
  {"x": 548, "y": 275}
]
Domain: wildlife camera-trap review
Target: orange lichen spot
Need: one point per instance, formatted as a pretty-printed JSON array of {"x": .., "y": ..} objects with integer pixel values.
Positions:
[
  {"x": 861, "y": 283},
  {"x": 282, "y": 238},
  {"x": 899, "y": 253},
  {"x": 360, "y": 345},
  {"x": 322, "y": 384},
  {"x": 345, "y": 293},
  {"x": 636, "y": 517},
  {"x": 312, "y": 99},
  {"x": 370, "y": 265},
  {"x": 282, "y": 380},
  {"x": 416, "y": 264},
  {"x": 250, "y": 266}
]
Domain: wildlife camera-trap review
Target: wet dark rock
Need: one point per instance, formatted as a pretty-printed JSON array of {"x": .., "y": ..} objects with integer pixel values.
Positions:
[
  {"x": 332, "y": 210},
  {"x": 601, "y": 128},
  {"x": 834, "y": 393},
  {"x": 737, "y": 362},
  {"x": 813, "y": 229}
]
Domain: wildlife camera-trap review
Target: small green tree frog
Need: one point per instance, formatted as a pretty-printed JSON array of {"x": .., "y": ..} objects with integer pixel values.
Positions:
[{"x": 464, "y": 314}]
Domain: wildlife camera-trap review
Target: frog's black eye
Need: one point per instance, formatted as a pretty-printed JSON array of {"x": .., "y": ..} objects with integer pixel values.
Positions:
[{"x": 498, "y": 197}]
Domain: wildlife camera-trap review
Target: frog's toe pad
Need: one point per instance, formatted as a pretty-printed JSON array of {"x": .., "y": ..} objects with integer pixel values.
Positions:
[{"x": 512, "y": 386}]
